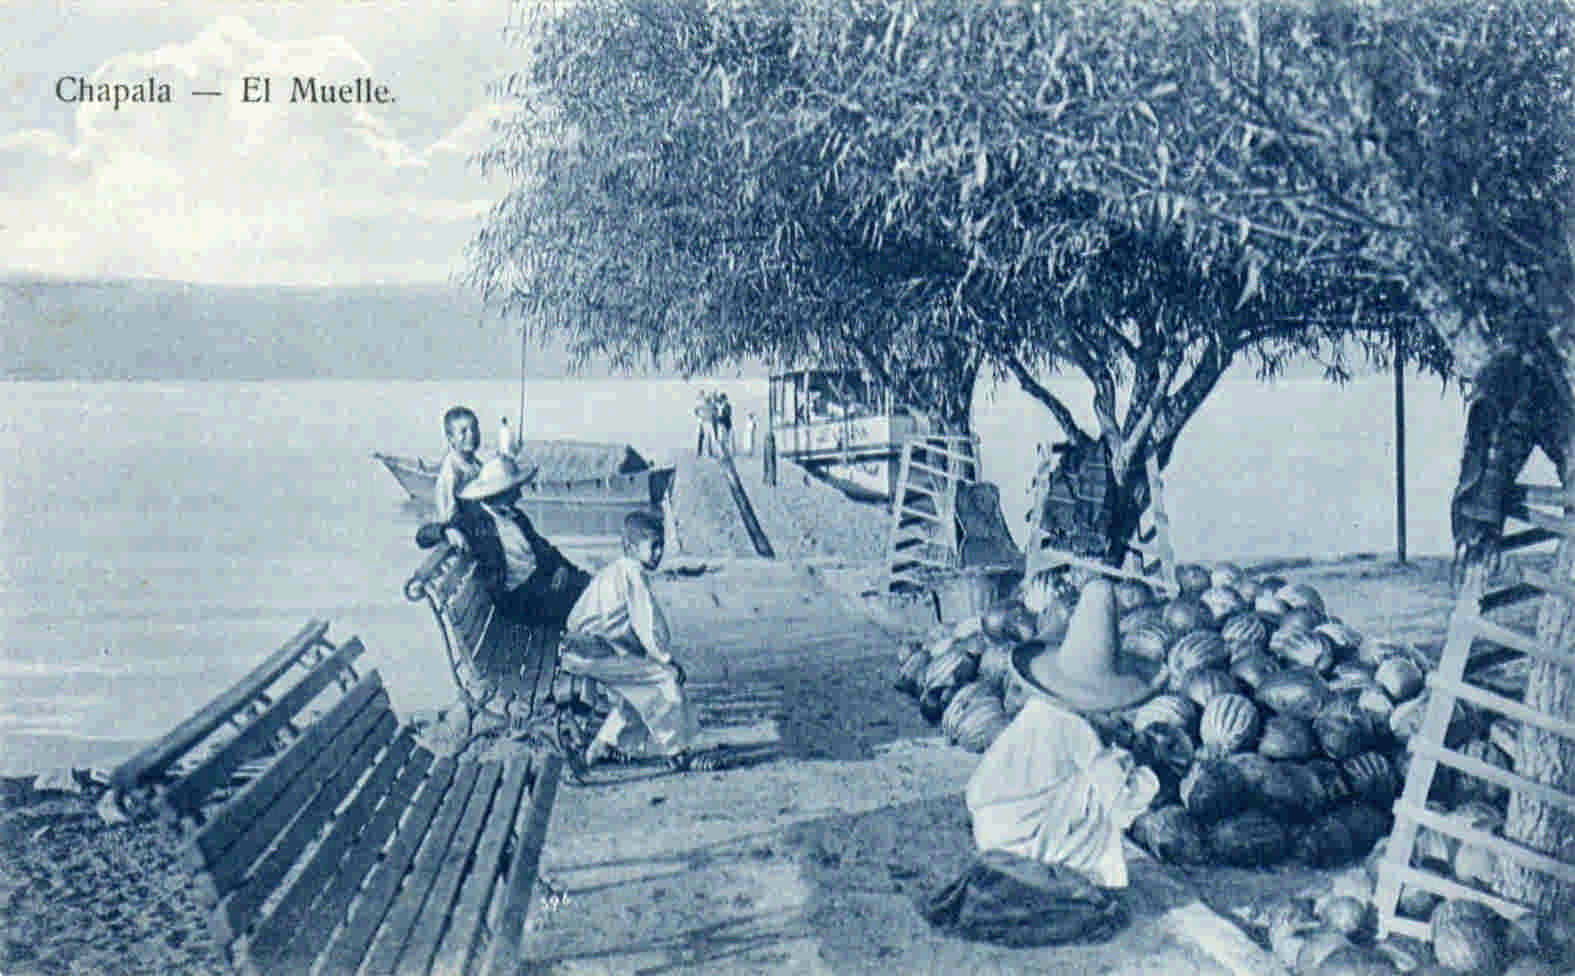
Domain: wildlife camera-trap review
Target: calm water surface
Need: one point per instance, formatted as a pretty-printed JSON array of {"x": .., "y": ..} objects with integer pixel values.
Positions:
[{"x": 159, "y": 539}]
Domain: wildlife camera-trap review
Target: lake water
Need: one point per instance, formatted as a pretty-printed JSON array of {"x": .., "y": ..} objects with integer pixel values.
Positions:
[{"x": 160, "y": 538}]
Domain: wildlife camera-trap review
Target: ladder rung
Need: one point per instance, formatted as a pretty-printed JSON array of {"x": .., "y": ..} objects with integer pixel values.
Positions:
[
  {"x": 1502, "y": 705},
  {"x": 1408, "y": 927},
  {"x": 1508, "y": 596},
  {"x": 1548, "y": 584},
  {"x": 1543, "y": 495},
  {"x": 1543, "y": 520},
  {"x": 1503, "y": 777},
  {"x": 1522, "y": 642},
  {"x": 907, "y": 512},
  {"x": 1454, "y": 889},
  {"x": 1525, "y": 539},
  {"x": 1502, "y": 846}
]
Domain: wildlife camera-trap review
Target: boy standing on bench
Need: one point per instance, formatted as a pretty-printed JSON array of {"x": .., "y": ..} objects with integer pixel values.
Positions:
[{"x": 618, "y": 636}]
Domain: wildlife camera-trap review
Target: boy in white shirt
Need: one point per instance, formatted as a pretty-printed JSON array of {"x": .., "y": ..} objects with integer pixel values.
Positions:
[
  {"x": 617, "y": 635},
  {"x": 460, "y": 465}
]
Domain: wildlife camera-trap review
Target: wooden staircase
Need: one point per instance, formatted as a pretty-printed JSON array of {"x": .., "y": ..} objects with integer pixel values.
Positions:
[
  {"x": 1544, "y": 511},
  {"x": 924, "y": 534},
  {"x": 1151, "y": 557}
]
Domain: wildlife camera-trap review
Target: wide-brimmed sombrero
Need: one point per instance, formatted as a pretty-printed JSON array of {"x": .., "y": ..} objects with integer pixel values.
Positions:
[
  {"x": 498, "y": 474},
  {"x": 1086, "y": 670}
]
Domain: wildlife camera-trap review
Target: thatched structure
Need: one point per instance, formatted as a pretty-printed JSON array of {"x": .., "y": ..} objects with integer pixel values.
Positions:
[{"x": 560, "y": 460}]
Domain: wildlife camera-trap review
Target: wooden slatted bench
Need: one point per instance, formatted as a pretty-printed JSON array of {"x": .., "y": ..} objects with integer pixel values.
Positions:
[
  {"x": 356, "y": 849},
  {"x": 199, "y": 760},
  {"x": 504, "y": 670}
]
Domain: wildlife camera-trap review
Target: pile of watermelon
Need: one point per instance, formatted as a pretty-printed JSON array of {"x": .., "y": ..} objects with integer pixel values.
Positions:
[{"x": 1277, "y": 732}]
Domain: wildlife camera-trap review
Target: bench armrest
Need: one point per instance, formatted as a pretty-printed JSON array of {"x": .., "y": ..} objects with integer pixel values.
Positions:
[{"x": 430, "y": 569}]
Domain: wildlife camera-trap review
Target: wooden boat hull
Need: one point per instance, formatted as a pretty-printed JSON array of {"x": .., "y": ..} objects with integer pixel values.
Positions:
[{"x": 579, "y": 507}]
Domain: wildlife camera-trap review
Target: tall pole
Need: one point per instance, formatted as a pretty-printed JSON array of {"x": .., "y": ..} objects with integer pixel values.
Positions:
[
  {"x": 519, "y": 434},
  {"x": 1400, "y": 443}
]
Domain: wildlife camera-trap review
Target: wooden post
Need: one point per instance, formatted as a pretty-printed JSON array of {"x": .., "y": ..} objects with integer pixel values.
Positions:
[{"x": 1400, "y": 444}]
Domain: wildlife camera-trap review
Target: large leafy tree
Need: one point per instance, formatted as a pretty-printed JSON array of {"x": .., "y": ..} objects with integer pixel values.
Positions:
[
  {"x": 1143, "y": 193},
  {"x": 889, "y": 184}
]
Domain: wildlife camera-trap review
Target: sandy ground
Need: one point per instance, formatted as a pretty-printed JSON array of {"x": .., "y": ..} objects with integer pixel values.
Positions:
[{"x": 808, "y": 859}]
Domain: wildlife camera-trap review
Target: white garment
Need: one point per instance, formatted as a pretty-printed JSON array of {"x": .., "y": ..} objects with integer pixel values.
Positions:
[
  {"x": 618, "y": 606},
  {"x": 618, "y": 609},
  {"x": 454, "y": 473},
  {"x": 519, "y": 559},
  {"x": 1048, "y": 790}
]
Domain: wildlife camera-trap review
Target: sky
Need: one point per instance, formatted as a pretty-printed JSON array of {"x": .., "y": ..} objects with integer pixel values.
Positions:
[{"x": 214, "y": 190}]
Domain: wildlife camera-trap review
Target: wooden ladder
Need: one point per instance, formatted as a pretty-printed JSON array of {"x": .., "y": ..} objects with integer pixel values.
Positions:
[
  {"x": 1544, "y": 510},
  {"x": 1152, "y": 558},
  {"x": 924, "y": 537}
]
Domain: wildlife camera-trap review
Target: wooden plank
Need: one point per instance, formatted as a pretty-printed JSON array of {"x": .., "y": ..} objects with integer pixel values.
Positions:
[
  {"x": 1503, "y": 847},
  {"x": 390, "y": 939},
  {"x": 1503, "y": 705},
  {"x": 1508, "y": 596},
  {"x": 274, "y": 932},
  {"x": 1519, "y": 641},
  {"x": 1493, "y": 774},
  {"x": 460, "y": 942},
  {"x": 169, "y": 748},
  {"x": 1424, "y": 764},
  {"x": 349, "y": 944},
  {"x": 334, "y": 770},
  {"x": 235, "y": 912},
  {"x": 443, "y": 883},
  {"x": 334, "y": 904},
  {"x": 187, "y": 795},
  {"x": 237, "y": 815},
  {"x": 509, "y": 932},
  {"x": 1438, "y": 885}
]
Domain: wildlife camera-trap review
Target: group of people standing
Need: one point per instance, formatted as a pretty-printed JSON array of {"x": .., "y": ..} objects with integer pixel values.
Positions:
[{"x": 615, "y": 632}]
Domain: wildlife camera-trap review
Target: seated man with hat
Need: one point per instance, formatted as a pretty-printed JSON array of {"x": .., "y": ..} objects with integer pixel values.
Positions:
[{"x": 530, "y": 580}]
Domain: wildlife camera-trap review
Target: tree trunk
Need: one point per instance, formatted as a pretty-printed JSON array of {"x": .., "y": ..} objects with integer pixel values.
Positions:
[{"x": 1545, "y": 757}]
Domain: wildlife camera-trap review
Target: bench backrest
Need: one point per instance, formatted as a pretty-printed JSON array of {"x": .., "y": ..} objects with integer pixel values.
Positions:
[
  {"x": 501, "y": 666},
  {"x": 356, "y": 846},
  {"x": 243, "y": 722}
]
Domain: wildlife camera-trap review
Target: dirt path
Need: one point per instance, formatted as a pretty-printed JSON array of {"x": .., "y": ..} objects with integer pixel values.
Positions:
[{"x": 811, "y": 859}]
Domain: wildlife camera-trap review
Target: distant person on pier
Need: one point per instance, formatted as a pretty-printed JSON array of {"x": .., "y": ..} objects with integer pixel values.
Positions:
[
  {"x": 705, "y": 411},
  {"x": 618, "y": 636},
  {"x": 460, "y": 464},
  {"x": 724, "y": 425},
  {"x": 530, "y": 580}
]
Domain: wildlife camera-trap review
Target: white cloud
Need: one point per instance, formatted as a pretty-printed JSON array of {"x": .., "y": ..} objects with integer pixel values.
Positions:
[{"x": 211, "y": 189}]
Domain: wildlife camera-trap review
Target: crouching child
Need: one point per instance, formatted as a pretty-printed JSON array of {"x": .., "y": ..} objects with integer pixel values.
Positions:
[{"x": 617, "y": 635}]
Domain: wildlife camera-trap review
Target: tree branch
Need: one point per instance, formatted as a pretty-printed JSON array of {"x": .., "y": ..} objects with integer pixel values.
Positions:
[{"x": 1035, "y": 389}]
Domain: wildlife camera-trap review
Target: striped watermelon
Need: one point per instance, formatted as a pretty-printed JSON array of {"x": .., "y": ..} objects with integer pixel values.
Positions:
[
  {"x": 1167, "y": 709},
  {"x": 960, "y": 704},
  {"x": 1149, "y": 641},
  {"x": 1301, "y": 595},
  {"x": 1252, "y": 668},
  {"x": 1205, "y": 684},
  {"x": 1245, "y": 632},
  {"x": 1195, "y": 650},
  {"x": 1229, "y": 723},
  {"x": 980, "y": 724},
  {"x": 1222, "y": 601},
  {"x": 1306, "y": 648}
]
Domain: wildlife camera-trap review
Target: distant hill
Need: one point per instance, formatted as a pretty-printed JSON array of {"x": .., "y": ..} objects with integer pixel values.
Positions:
[
  {"x": 147, "y": 329},
  {"x": 54, "y": 329}
]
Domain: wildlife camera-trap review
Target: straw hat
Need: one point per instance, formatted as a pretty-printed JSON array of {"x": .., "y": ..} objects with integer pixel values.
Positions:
[
  {"x": 498, "y": 474},
  {"x": 1086, "y": 671}
]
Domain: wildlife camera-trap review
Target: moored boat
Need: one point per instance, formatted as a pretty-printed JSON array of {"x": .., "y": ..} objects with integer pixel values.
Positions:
[
  {"x": 843, "y": 427},
  {"x": 580, "y": 488}
]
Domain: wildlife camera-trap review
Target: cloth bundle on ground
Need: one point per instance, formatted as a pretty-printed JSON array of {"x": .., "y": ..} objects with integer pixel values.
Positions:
[
  {"x": 1016, "y": 901},
  {"x": 1047, "y": 789}
]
